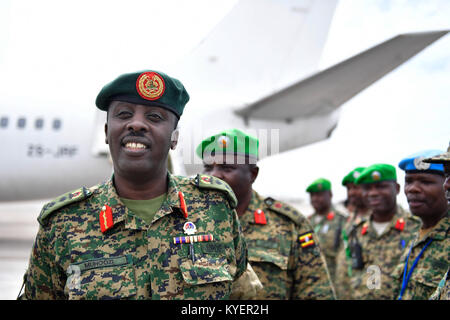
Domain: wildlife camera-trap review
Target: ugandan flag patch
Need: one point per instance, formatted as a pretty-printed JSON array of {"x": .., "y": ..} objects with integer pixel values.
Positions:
[{"x": 306, "y": 240}]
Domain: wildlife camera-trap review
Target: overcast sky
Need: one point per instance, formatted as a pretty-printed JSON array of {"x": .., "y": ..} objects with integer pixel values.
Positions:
[{"x": 56, "y": 50}]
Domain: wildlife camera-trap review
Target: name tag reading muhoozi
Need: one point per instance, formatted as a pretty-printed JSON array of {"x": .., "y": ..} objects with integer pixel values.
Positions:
[
  {"x": 103, "y": 262},
  {"x": 192, "y": 239}
]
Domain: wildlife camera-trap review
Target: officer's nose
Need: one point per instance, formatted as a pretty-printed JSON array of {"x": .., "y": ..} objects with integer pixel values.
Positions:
[{"x": 137, "y": 123}]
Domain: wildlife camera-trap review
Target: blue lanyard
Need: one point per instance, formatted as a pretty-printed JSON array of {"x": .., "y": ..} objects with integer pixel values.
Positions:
[{"x": 406, "y": 274}]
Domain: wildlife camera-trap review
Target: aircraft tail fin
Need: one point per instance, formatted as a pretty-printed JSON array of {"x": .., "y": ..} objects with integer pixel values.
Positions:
[{"x": 325, "y": 91}]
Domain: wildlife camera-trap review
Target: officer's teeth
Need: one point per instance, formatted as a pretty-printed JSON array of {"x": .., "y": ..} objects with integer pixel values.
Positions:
[{"x": 134, "y": 145}]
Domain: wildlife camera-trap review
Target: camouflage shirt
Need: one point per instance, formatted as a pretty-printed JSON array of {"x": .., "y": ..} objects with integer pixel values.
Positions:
[
  {"x": 343, "y": 259},
  {"x": 329, "y": 230},
  {"x": 374, "y": 257},
  {"x": 284, "y": 252},
  {"x": 73, "y": 259},
  {"x": 431, "y": 267}
]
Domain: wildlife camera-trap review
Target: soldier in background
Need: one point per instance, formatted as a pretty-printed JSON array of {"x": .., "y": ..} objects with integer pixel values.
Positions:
[
  {"x": 377, "y": 244},
  {"x": 327, "y": 222},
  {"x": 360, "y": 212},
  {"x": 422, "y": 265},
  {"x": 144, "y": 233},
  {"x": 282, "y": 247}
]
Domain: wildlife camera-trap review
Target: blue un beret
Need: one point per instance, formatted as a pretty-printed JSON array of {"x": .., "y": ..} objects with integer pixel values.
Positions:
[{"x": 415, "y": 163}]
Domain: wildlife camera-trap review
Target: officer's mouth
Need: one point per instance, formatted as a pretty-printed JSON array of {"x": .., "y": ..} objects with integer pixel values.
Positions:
[{"x": 135, "y": 148}]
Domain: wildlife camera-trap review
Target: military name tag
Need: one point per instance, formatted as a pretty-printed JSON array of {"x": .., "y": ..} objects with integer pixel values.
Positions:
[{"x": 102, "y": 262}]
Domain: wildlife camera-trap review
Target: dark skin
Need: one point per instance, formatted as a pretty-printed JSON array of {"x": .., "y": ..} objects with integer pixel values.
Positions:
[
  {"x": 382, "y": 199},
  {"x": 139, "y": 139},
  {"x": 426, "y": 197},
  {"x": 356, "y": 199},
  {"x": 240, "y": 177},
  {"x": 321, "y": 201},
  {"x": 447, "y": 181}
]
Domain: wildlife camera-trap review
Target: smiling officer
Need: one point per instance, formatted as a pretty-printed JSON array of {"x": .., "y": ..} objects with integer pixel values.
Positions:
[
  {"x": 377, "y": 244},
  {"x": 144, "y": 233}
]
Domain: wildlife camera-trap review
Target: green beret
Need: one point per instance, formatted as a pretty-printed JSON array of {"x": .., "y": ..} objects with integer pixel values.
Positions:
[
  {"x": 441, "y": 158},
  {"x": 234, "y": 141},
  {"x": 377, "y": 173},
  {"x": 152, "y": 88},
  {"x": 352, "y": 175},
  {"x": 319, "y": 185}
]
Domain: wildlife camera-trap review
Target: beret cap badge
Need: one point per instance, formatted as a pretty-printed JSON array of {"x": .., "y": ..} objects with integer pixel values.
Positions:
[
  {"x": 420, "y": 165},
  {"x": 150, "y": 85},
  {"x": 376, "y": 175}
]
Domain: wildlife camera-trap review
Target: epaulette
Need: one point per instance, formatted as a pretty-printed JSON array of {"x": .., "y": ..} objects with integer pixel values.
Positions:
[
  {"x": 62, "y": 201},
  {"x": 284, "y": 209},
  {"x": 210, "y": 182}
]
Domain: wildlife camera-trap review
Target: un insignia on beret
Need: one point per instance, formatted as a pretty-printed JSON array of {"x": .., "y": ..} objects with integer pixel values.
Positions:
[
  {"x": 376, "y": 175},
  {"x": 150, "y": 85},
  {"x": 420, "y": 165}
]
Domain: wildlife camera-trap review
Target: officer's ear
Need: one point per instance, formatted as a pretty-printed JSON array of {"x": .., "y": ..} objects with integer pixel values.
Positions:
[
  {"x": 254, "y": 171},
  {"x": 397, "y": 188},
  {"x": 174, "y": 139},
  {"x": 106, "y": 132}
]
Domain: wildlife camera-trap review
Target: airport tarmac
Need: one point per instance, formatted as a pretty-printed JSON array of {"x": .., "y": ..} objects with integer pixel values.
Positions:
[{"x": 18, "y": 228}]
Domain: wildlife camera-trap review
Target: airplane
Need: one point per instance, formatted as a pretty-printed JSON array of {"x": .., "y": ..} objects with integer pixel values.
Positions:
[{"x": 257, "y": 70}]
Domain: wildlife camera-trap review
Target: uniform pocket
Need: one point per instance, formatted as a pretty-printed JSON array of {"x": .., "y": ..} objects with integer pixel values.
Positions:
[
  {"x": 205, "y": 270},
  {"x": 102, "y": 279},
  {"x": 264, "y": 254}
]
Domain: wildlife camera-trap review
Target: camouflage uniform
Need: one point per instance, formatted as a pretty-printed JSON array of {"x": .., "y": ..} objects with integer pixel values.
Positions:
[
  {"x": 343, "y": 259},
  {"x": 432, "y": 265},
  {"x": 443, "y": 290},
  {"x": 286, "y": 269},
  {"x": 133, "y": 260},
  {"x": 377, "y": 251},
  {"x": 329, "y": 230}
]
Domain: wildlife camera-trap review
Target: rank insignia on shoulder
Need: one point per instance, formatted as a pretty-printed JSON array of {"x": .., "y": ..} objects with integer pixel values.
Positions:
[
  {"x": 259, "y": 217},
  {"x": 400, "y": 224},
  {"x": 106, "y": 218},
  {"x": 306, "y": 240}
]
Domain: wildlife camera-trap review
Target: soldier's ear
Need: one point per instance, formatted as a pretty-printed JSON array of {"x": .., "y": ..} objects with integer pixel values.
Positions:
[
  {"x": 174, "y": 139},
  {"x": 254, "y": 170},
  {"x": 106, "y": 132}
]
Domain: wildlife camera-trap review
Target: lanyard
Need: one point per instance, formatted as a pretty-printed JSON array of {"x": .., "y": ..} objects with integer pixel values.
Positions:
[{"x": 406, "y": 274}]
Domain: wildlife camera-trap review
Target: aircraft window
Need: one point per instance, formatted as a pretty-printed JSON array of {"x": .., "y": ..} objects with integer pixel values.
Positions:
[
  {"x": 21, "y": 123},
  {"x": 56, "y": 124},
  {"x": 3, "y": 122},
  {"x": 39, "y": 123}
]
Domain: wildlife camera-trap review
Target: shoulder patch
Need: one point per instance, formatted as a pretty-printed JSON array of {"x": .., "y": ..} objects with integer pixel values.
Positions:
[
  {"x": 284, "y": 209},
  {"x": 62, "y": 201},
  {"x": 209, "y": 182}
]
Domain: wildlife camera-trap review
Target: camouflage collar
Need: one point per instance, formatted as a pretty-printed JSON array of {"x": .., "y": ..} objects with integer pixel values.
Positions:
[
  {"x": 441, "y": 229},
  {"x": 120, "y": 212}
]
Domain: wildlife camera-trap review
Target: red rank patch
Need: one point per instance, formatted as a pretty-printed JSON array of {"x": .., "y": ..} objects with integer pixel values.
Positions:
[
  {"x": 106, "y": 218},
  {"x": 259, "y": 216},
  {"x": 278, "y": 205},
  {"x": 183, "y": 204},
  {"x": 330, "y": 216},
  {"x": 400, "y": 224},
  {"x": 364, "y": 229}
]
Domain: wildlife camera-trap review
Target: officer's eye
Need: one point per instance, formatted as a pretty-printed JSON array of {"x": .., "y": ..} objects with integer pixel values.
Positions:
[
  {"x": 155, "y": 117},
  {"x": 123, "y": 114}
]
